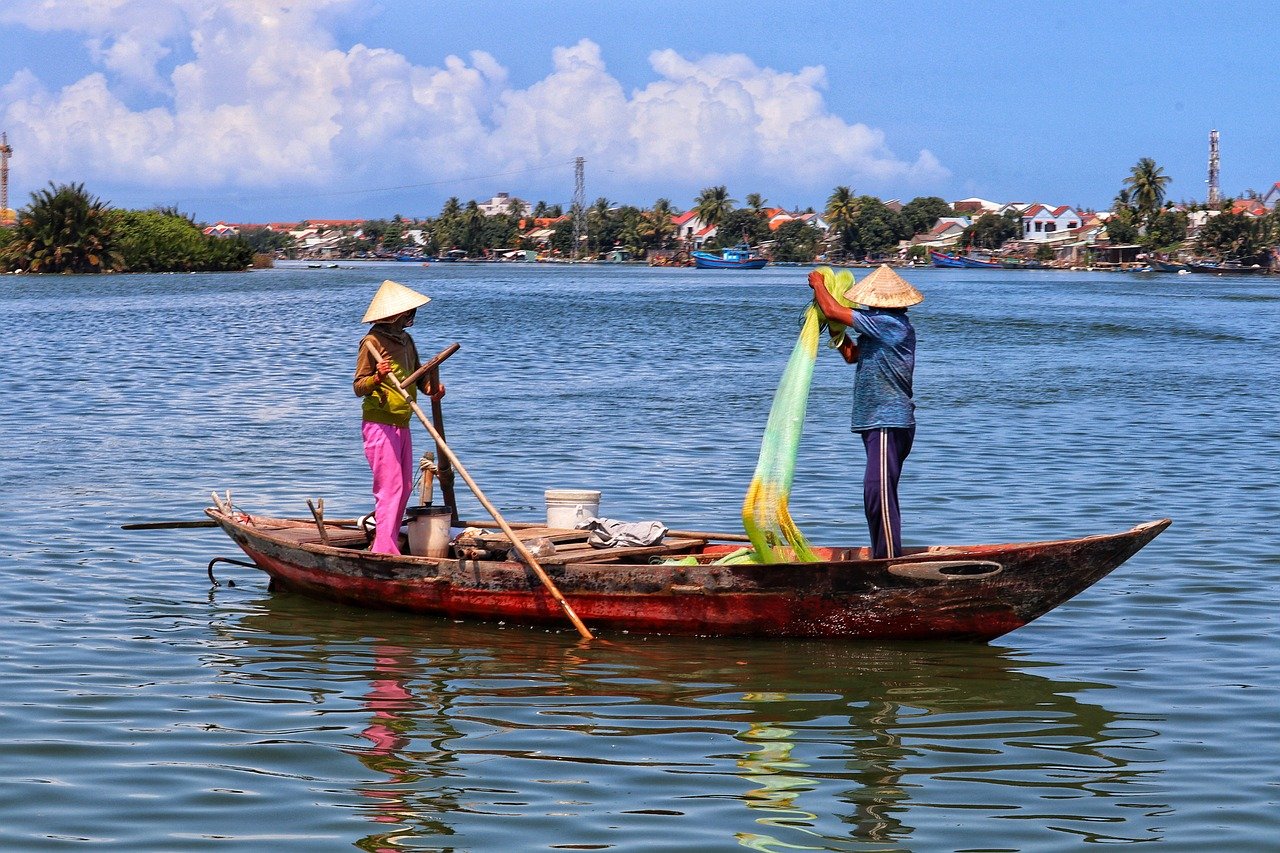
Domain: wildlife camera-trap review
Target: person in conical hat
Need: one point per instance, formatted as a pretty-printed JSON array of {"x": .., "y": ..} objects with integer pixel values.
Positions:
[
  {"x": 385, "y": 412},
  {"x": 883, "y": 406}
]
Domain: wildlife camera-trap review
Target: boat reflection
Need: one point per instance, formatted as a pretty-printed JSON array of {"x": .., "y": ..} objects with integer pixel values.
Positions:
[{"x": 472, "y": 731}]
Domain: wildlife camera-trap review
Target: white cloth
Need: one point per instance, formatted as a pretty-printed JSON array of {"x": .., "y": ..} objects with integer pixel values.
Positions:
[{"x": 611, "y": 533}]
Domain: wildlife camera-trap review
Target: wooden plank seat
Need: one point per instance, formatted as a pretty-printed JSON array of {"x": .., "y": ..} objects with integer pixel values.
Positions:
[
  {"x": 670, "y": 545},
  {"x": 572, "y": 547}
]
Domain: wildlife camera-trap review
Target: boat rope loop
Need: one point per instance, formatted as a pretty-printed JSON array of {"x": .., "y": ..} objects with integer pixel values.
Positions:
[{"x": 765, "y": 511}]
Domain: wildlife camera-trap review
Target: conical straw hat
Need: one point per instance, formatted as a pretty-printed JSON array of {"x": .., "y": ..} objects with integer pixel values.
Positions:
[
  {"x": 391, "y": 299},
  {"x": 884, "y": 288}
]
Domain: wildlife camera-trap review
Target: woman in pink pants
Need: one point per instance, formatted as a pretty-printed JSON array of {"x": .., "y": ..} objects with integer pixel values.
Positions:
[{"x": 386, "y": 412}]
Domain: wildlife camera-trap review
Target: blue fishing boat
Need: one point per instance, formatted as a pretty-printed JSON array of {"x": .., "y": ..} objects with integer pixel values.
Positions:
[
  {"x": 975, "y": 262},
  {"x": 942, "y": 259},
  {"x": 739, "y": 257}
]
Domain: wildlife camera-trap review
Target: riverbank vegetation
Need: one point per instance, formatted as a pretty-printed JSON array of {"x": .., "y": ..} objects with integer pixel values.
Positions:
[{"x": 66, "y": 229}]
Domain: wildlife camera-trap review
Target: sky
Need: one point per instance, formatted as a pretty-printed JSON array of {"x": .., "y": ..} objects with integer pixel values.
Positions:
[{"x": 278, "y": 110}]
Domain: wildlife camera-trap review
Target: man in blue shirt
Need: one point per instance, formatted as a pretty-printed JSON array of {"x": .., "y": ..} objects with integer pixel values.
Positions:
[{"x": 883, "y": 411}]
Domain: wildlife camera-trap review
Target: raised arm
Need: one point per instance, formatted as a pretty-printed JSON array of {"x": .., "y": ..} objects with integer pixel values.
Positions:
[{"x": 827, "y": 304}]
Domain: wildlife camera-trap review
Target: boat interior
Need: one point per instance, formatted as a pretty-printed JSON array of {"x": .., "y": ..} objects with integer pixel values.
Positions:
[{"x": 552, "y": 546}]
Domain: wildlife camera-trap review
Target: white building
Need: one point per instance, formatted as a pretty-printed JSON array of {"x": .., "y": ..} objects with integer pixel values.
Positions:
[
  {"x": 504, "y": 203},
  {"x": 1042, "y": 223}
]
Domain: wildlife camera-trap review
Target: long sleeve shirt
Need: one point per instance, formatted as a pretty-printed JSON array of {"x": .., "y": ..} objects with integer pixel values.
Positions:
[{"x": 383, "y": 404}]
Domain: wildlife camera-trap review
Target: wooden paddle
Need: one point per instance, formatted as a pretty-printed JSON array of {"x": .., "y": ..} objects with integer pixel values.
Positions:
[{"x": 446, "y": 453}]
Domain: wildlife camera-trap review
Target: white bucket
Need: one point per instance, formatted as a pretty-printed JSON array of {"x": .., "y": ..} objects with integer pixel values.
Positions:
[
  {"x": 567, "y": 508},
  {"x": 429, "y": 530}
]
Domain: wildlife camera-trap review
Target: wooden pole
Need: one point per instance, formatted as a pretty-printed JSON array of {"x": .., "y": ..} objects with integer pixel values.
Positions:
[
  {"x": 444, "y": 471},
  {"x": 522, "y": 549},
  {"x": 318, "y": 514},
  {"x": 432, "y": 363}
]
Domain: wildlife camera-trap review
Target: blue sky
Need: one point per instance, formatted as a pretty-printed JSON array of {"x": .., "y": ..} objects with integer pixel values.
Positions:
[{"x": 254, "y": 110}]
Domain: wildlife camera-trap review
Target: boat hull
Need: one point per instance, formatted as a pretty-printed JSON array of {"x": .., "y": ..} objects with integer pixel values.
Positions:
[
  {"x": 946, "y": 261},
  {"x": 970, "y": 592},
  {"x": 1228, "y": 269},
  {"x": 705, "y": 261}
]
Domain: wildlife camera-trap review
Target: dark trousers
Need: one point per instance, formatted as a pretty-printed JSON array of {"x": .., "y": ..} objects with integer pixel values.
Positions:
[{"x": 887, "y": 449}]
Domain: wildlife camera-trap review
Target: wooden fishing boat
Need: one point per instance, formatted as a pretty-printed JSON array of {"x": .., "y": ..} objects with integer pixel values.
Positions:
[
  {"x": 1228, "y": 268},
  {"x": 975, "y": 592},
  {"x": 739, "y": 257},
  {"x": 942, "y": 259}
]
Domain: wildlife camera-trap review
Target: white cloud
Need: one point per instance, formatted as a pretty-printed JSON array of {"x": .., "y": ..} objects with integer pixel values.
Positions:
[{"x": 264, "y": 97}]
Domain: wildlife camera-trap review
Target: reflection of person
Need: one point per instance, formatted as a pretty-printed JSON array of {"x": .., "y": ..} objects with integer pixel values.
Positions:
[
  {"x": 386, "y": 412},
  {"x": 883, "y": 409}
]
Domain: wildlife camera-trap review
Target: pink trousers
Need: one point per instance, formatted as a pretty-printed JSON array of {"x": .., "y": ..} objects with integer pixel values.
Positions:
[{"x": 389, "y": 450}]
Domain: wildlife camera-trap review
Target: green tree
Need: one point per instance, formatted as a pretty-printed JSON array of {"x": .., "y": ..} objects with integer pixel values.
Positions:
[
  {"x": 756, "y": 203},
  {"x": 1167, "y": 230},
  {"x": 1122, "y": 225},
  {"x": 471, "y": 234},
  {"x": 1146, "y": 183},
  {"x": 865, "y": 224},
  {"x": 796, "y": 240},
  {"x": 923, "y": 212},
  {"x": 266, "y": 240},
  {"x": 713, "y": 204},
  {"x": 64, "y": 230},
  {"x": 656, "y": 228},
  {"x": 1234, "y": 236},
  {"x": 7, "y": 239},
  {"x": 991, "y": 231},
  {"x": 741, "y": 226},
  {"x": 842, "y": 213}
]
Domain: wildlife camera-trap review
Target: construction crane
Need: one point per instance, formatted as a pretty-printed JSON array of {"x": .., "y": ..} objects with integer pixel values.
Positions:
[
  {"x": 5, "y": 151},
  {"x": 1215, "y": 194}
]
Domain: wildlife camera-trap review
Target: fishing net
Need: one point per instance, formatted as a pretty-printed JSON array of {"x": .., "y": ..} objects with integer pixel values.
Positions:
[{"x": 765, "y": 512}]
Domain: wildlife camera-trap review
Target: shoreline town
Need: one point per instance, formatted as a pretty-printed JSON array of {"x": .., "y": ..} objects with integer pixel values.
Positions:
[{"x": 1142, "y": 231}]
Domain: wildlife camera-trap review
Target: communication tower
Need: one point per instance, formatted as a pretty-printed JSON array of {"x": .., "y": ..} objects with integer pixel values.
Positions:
[
  {"x": 578, "y": 209},
  {"x": 1215, "y": 195},
  {"x": 5, "y": 151}
]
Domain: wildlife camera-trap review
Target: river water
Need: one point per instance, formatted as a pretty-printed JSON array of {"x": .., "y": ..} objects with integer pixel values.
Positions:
[{"x": 143, "y": 709}]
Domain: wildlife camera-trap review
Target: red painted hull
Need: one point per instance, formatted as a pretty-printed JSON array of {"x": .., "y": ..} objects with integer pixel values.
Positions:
[{"x": 913, "y": 597}]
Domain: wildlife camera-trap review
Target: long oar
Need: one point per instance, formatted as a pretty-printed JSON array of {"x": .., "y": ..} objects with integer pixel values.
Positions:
[
  {"x": 530, "y": 560},
  {"x": 184, "y": 525}
]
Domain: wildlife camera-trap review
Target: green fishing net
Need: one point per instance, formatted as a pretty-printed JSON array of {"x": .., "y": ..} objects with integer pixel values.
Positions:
[{"x": 765, "y": 512}]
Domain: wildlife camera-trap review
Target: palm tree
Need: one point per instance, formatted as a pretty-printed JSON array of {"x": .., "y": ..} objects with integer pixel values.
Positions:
[
  {"x": 1147, "y": 181},
  {"x": 655, "y": 227},
  {"x": 842, "y": 212},
  {"x": 65, "y": 229},
  {"x": 713, "y": 204},
  {"x": 756, "y": 203}
]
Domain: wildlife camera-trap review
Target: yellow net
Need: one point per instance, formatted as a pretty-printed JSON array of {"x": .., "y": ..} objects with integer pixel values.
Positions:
[{"x": 765, "y": 512}]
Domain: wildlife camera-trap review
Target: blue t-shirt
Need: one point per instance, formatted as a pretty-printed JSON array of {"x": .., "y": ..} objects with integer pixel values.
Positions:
[{"x": 886, "y": 360}]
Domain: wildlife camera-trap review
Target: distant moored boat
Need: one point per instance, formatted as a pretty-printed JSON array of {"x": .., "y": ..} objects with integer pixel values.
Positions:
[
  {"x": 739, "y": 257},
  {"x": 942, "y": 259}
]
